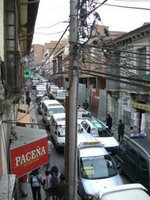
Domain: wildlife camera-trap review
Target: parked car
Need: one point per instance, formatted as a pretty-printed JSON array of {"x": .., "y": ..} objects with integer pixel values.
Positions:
[
  {"x": 40, "y": 93},
  {"x": 133, "y": 157},
  {"x": 99, "y": 130},
  {"x": 34, "y": 83},
  {"x": 50, "y": 107},
  {"x": 86, "y": 138},
  {"x": 40, "y": 103},
  {"x": 96, "y": 170},
  {"x": 53, "y": 88},
  {"x": 123, "y": 192},
  {"x": 59, "y": 95},
  {"x": 83, "y": 113},
  {"x": 57, "y": 128}
]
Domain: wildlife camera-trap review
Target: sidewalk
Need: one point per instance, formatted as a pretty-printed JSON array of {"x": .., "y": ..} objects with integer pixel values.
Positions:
[{"x": 42, "y": 168}]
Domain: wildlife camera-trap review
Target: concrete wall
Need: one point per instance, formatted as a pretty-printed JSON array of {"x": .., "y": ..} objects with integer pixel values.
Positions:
[{"x": 2, "y": 29}]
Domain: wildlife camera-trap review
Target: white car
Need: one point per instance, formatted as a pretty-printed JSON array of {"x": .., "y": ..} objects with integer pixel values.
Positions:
[
  {"x": 83, "y": 113},
  {"x": 123, "y": 192},
  {"x": 50, "y": 107},
  {"x": 40, "y": 92},
  {"x": 59, "y": 95},
  {"x": 99, "y": 130},
  {"x": 40, "y": 103},
  {"x": 57, "y": 128},
  {"x": 96, "y": 169}
]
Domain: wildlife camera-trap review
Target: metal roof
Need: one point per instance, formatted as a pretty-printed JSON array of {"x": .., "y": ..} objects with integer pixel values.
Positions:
[{"x": 142, "y": 142}]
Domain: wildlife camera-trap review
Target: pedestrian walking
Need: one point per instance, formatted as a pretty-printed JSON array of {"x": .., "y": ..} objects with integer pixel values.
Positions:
[
  {"x": 36, "y": 180},
  {"x": 53, "y": 177},
  {"x": 28, "y": 100},
  {"x": 50, "y": 146},
  {"x": 109, "y": 121},
  {"x": 86, "y": 105},
  {"x": 120, "y": 130}
]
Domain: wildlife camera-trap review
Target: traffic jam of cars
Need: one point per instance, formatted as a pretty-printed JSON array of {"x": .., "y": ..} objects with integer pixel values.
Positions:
[{"x": 100, "y": 158}]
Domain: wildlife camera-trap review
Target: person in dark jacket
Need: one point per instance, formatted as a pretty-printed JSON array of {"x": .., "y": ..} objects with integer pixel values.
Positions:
[
  {"x": 86, "y": 105},
  {"x": 109, "y": 121},
  {"x": 120, "y": 130},
  {"x": 28, "y": 100}
]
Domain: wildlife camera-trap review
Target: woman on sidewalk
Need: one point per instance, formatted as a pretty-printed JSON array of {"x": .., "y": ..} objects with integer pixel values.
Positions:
[{"x": 35, "y": 179}]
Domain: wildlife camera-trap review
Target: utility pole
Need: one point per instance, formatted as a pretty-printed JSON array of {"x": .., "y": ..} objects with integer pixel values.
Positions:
[{"x": 71, "y": 122}]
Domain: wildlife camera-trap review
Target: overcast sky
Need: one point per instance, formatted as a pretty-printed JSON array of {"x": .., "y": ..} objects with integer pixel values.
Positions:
[{"x": 53, "y": 16}]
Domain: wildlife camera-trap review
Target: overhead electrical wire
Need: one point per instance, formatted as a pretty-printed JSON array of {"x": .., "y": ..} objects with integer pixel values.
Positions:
[
  {"x": 55, "y": 33},
  {"x": 128, "y": 7},
  {"x": 44, "y": 64},
  {"x": 46, "y": 27}
]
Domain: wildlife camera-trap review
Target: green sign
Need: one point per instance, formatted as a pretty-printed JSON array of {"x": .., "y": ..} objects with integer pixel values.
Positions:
[
  {"x": 27, "y": 73},
  {"x": 146, "y": 77}
]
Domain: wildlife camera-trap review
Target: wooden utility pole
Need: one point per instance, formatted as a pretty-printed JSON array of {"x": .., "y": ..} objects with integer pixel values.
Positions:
[{"x": 71, "y": 122}]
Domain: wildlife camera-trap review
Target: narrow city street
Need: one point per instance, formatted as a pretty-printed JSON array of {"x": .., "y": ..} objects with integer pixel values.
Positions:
[{"x": 57, "y": 158}]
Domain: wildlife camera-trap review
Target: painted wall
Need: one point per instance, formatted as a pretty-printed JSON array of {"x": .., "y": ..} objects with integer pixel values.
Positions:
[{"x": 2, "y": 29}]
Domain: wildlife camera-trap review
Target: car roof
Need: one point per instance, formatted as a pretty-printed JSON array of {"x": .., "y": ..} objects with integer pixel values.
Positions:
[
  {"x": 61, "y": 90},
  {"x": 85, "y": 137},
  {"x": 82, "y": 112},
  {"x": 49, "y": 102},
  {"x": 56, "y": 106},
  {"x": 141, "y": 142},
  {"x": 95, "y": 150},
  {"x": 60, "y": 118},
  {"x": 123, "y": 192}
]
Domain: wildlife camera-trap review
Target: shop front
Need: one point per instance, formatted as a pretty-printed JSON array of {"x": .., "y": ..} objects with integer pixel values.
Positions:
[
  {"x": 141, "y": 118},
  {"x": 29, "y": 151}
]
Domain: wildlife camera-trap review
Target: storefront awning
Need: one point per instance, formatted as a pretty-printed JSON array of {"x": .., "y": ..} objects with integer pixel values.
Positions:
[
  {"x": 29, "y": 151},
  {"x": 141, "y": 106}
]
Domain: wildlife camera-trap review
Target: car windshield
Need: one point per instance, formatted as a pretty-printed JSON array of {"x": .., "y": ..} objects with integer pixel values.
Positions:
[
  {"x": 54, "y": 89},
  {"x": 61, "y": 94},
  {"x": 41, "y": 92},
  {"x": 56, "y": 110},
  {"x": 99, "y": 128},
  {"x": 97, "y": 167}
]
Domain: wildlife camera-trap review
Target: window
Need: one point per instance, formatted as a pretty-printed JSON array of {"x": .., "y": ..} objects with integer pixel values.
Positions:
[
  {"x": 85, "y": 125},
  {"x": 143, "y": 163},
  {"x": 123, "y": 147},
  {"x": 141, "y": 61}
]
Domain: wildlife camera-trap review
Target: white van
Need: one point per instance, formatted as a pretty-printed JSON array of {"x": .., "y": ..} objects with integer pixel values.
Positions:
[
  {"x": 96, "y": 169},
  {"x": 57, "y": 128},
  {"x": 50, "y": 107},
  {"x": 130, "y": 191}
]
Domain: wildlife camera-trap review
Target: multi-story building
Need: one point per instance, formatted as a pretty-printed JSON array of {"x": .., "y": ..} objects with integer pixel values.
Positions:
[
  {"x": 17, "y": 24},
  {"x": 36, "y": 53},
  {"x": 129, "y": 66}
]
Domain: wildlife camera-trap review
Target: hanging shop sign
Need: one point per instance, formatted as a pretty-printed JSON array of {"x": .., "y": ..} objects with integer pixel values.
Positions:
[
  {"x": 29, "y": 151},
  {"x": 141, "y": 106}
]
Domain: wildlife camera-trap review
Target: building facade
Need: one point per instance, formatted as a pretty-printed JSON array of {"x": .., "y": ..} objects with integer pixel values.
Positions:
[{"x": 128, "y": 96}]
